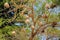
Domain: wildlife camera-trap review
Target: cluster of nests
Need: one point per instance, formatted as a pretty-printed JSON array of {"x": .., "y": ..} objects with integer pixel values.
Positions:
[
  {"x": 7, "y": 13},
  {"x": 7, "y": 6}
]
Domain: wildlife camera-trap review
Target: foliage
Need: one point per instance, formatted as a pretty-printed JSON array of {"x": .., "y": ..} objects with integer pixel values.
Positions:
[{"x": 35, "y": 17}]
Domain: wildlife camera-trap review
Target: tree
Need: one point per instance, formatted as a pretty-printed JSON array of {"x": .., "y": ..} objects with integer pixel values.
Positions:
[{"x": 40, "y": 21}]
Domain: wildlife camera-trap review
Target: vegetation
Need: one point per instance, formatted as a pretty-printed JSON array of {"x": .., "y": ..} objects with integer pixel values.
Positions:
[{"x": 31, "y": 20}]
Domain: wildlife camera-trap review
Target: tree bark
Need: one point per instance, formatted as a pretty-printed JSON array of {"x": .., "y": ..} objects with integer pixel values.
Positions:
[{"x": 31, "y": 38}]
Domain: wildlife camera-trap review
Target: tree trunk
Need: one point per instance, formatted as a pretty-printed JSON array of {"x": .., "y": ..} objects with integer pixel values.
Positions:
[{"x": 31, "y": 38}]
